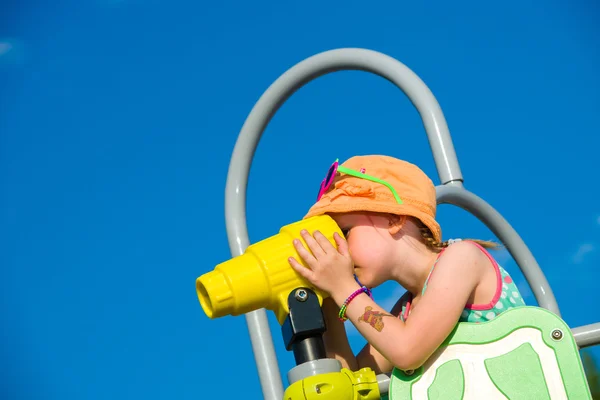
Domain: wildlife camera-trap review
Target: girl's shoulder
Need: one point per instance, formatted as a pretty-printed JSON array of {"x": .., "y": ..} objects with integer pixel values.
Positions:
[
  {"x": 466, "y": 251},
  {"x": 463, "y": 260}
]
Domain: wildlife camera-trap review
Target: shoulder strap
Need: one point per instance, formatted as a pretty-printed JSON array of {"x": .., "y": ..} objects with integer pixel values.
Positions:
[{"x": 404, "y": 314}]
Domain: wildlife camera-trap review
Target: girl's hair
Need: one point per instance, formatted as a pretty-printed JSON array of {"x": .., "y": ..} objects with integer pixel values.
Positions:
[{"x": 434, "y": 245}]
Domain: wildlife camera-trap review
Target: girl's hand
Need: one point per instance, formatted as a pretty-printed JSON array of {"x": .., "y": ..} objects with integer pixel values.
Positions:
[{"x": 328, "y": 268}]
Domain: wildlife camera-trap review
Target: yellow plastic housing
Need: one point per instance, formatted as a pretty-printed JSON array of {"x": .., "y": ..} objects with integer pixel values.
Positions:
[
  {"x": 261, "y": 277},
  {"x": 343, "y": 385}
]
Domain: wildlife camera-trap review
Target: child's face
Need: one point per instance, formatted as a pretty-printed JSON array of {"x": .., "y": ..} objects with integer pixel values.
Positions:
[{"x": 371, "y": 246}]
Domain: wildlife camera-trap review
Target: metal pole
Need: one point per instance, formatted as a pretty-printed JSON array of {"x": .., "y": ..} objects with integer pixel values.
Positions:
[
  {"x": 587, "y": 335},
  {"x": 251, "y": 132}
]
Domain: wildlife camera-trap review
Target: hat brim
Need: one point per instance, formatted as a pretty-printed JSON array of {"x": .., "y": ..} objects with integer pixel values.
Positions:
[{"x": 380, "y": 207}]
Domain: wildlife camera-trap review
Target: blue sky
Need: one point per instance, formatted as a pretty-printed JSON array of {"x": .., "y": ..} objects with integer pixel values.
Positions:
[{"x": 118, "y": 119}]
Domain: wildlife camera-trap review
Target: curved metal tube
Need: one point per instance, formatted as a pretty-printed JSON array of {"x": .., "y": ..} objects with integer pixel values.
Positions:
[
  {"x": 501, "y": 228},
  {"x": 251, "y": 132},
  {"x": 587, "y": 335}
]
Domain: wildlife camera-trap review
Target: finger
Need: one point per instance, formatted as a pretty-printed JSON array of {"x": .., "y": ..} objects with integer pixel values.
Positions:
[
  {"x": 323, "y": 242},
  {"x": 306, "y": 255},
  {"x": 342, "y": 244},
  {"x": 301, "y": 269},
  {"x": 312, "y": 243}
]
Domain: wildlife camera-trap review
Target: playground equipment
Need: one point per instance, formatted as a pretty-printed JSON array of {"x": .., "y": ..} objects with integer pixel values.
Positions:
[
  {"x": 262, "y": 276},
  {"x": 524, "y": 353},
  {"x": 548, "y": 364}
]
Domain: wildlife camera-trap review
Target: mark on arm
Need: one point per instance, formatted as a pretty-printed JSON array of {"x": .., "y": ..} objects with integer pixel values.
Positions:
[{"x": 374, "y": 318}]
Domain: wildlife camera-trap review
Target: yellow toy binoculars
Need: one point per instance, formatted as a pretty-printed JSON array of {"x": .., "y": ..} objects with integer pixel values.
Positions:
[{"x": 261, "y": 277}]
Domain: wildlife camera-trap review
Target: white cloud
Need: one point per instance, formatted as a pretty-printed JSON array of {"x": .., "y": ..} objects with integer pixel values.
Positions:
[
  {"x": 581, "y": 253},
  {"x": 5, "y": 47},
  {"x": 11, "y": 52}
]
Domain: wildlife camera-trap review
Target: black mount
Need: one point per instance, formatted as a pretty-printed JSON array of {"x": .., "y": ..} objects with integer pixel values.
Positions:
[{"x": 304, "y": 326}]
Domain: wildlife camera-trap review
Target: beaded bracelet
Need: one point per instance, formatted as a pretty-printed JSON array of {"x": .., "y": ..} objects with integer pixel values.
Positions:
[
  {"x": 342, "y": 314},
  {"x": 367, "y": 290}
]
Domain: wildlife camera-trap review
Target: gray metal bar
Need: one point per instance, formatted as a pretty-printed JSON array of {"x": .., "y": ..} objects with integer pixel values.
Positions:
[
  {"x": 251, "y": 132},
  {"x": 501, "y": 228},
  {"x": 383, "y": 381},
  {"x": 587, "y": 335}
]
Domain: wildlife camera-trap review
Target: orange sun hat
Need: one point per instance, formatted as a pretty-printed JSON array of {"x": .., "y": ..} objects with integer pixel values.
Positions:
[{"x": 381, "y": 184}]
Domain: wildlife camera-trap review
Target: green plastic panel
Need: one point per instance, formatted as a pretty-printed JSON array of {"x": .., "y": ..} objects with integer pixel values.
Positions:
[
  {"x": 449, "y": 383},
  {"x": 524, "y": 380},
  {"x": 524, "y": 353}
]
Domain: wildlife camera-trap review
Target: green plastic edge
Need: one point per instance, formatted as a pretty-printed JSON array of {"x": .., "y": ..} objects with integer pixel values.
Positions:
[{"x": 566, "y": 350}]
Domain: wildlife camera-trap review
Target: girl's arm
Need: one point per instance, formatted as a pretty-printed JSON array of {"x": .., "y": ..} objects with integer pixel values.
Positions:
[
  {"x": 408, "y": 345},
  {"x": 335, "y": 338},
  {"x": 338, "y": 347},
  {"x": 369, "y": 356}
]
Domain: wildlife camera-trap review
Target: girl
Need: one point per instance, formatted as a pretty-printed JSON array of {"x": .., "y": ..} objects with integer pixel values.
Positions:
[{"x": 386, "y": 209}]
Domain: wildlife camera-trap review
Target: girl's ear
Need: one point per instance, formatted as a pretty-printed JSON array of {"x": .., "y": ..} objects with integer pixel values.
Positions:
[{"x": 396, "y": 222}]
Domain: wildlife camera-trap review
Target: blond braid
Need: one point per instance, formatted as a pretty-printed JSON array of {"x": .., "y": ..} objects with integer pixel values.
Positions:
[{"x": 436, "y": 246}]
